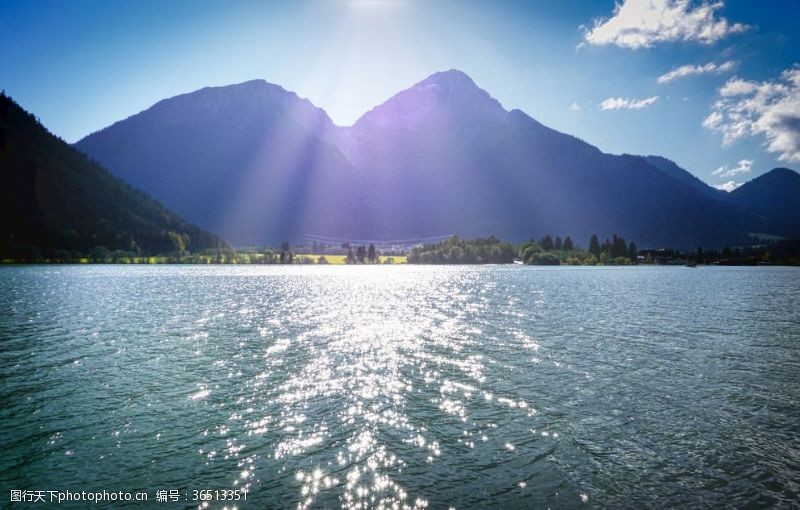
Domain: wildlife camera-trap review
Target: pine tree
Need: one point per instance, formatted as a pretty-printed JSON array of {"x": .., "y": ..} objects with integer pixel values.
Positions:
[
  {"x": 633, "y": 253},
  {"x": 594, "y": 246},
  {"x": 618, "y": 247},
  {"x": 568, "y": 244},
  {"x": 558, "y": 244}
]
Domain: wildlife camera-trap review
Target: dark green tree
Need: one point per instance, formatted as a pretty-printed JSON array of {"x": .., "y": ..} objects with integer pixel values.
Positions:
[
  {"x": 618, "y": 247},
  {"x": 633, "y": 252},
  {"x": 594, "y": 246},
  {"x": 547, "y": 243},
  {"x": 606, "y": 247},
  {"x": 528, "y": 250},
  {"x": 568, "y": 244},
  {"x": 100, "y": 253}
]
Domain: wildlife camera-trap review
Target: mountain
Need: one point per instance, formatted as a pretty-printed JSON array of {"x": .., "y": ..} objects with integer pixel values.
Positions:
[
  {"x": 423, "y": 163},
  {"x": 444, "y": 156},
  {"x": 55, "y": 198},
  {"x": 256, "y": 164},
  {"x": 246, "y": 161},
  {"x": 679, "y": 174},
  {"x": 776, "y": 193}
]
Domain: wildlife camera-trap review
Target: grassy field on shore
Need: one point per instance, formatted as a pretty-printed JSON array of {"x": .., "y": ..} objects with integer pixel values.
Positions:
[
  {"x": 238, "y": 258},
  {"x": 340, "y": 259}
]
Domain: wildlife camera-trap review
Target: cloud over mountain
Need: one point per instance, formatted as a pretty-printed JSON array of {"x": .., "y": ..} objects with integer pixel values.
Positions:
[
  {"x": 643, "y": 23},
  {"x": 728, "y": 186},
  {"x": 767, "y": 108}
]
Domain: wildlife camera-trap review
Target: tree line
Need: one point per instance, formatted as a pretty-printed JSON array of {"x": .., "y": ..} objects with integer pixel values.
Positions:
[
  {"x": 548, "y": 251},
  {"x": 785, "y": 252}
]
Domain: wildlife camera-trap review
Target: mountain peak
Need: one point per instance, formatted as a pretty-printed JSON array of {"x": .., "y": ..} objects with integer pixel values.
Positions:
[
  {"x": 257, "y": 89},
  {"x": 255, "y": 85},
  {"x": 257, "y": 102},
  {"x": 775, "y": 192},
  {"x": 452, "y": 83},
  {"x": 776, "y": 177},
  {"x": 451, "y": 93},
  {"x": 783, "y": 171},
  {"x": 451, "y": 77}
]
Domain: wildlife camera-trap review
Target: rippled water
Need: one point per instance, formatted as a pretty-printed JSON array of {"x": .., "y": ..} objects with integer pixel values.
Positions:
[{"x": 438, "y": 387}]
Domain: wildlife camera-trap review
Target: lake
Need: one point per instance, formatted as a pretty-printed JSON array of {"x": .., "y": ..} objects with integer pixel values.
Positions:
[{"x": 404, "y": 386}]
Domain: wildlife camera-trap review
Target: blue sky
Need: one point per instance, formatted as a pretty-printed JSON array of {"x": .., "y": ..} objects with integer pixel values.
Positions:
[{"x": 590, "y": 69}]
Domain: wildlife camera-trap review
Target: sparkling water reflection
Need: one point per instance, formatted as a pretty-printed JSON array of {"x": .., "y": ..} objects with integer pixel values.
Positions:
[{"x": 405, "y": 387}]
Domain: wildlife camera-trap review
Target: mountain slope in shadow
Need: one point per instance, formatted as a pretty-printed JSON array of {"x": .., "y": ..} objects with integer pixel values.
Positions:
[{"x": 55, "y": 198}]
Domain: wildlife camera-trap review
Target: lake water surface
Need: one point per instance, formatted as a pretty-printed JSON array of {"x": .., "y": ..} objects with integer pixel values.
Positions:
[{"x": 363, "y": 387}]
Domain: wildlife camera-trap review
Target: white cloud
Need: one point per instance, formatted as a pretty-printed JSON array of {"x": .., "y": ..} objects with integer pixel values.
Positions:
[
  {"x": 737, "y": 87},
  {"x": 743, "y": 167},
  {"x": 688, "y": 70},
  {"x": 574, "y": 107},
  {"x": 767, "y": 108},
  {"x": 728, "y": 186},
  {"x": 623, "y": 103},
  {"x": 643, "y": 23},
  {"x": 714, "y": 120}
]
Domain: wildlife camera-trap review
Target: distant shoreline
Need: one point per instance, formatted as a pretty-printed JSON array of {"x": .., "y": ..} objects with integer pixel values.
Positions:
[{"x": 7, "y": 263}]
